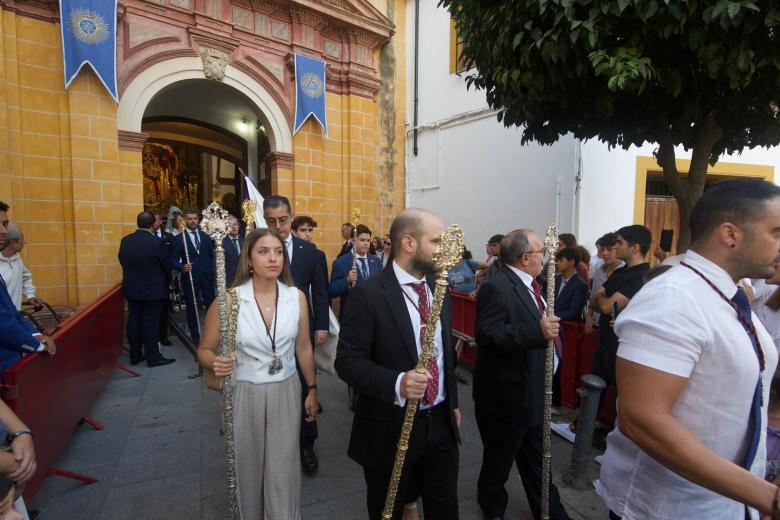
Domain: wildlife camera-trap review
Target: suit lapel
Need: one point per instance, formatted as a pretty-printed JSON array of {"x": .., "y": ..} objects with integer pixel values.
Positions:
[
  {"x": 522, "y": 291},
  {"x": 397, "y": 306}
]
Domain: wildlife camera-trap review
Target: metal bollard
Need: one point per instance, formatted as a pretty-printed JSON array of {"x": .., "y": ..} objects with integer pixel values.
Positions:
[{"x": 577, "y": 474}]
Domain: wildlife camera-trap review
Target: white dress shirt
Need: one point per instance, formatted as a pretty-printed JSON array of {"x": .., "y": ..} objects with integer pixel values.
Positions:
[
  {"x": 679, "y": 325},
  {"x": 405, "y": 279},
  {"x": 18, "y": 279}
]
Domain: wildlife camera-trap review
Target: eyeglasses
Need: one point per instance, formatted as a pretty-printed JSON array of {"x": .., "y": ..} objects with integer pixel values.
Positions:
[{"x": 543, "y": 251}]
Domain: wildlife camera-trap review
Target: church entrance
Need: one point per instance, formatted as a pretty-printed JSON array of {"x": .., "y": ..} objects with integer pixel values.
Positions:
[{"x": 203, "y": 135}]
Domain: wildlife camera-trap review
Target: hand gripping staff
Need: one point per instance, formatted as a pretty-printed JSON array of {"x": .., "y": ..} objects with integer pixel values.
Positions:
[
  {"x": 446, "y": 257},
  {"x": 215, "y": 224},
  {"x": 354, "y": 220},
  {"x": 181, "y": 226},
  {"x": 550, "y": 244}
]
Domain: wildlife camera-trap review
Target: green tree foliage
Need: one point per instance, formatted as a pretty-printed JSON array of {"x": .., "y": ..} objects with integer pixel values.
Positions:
[{"x": 701, "y": 74}]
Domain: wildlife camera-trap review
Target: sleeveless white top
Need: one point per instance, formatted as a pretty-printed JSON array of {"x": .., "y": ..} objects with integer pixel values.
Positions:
[{"x": 253, "y": 346}]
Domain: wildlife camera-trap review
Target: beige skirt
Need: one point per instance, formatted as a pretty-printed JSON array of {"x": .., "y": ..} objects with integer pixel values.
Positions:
[{"x": 266, "y": 426}]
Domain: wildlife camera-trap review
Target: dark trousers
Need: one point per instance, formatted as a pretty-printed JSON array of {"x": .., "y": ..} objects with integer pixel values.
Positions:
[
  {"x": 163, "y": 328},
  {"x": 143, "y": 321},
  {"x": 203, "y": 288},
  {"x": 506, "y": 442},
  {"x": 431, "y": 466}
]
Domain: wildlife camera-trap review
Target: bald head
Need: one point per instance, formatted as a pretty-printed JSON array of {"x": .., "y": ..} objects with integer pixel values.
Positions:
[{"x": 415, "y": 234}]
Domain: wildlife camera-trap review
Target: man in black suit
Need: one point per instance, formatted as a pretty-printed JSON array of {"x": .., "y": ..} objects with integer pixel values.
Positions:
[
  {"x": 346, "y": 235},
  {"x": 508, "y": 389},
  {"x": 167, "y": 240},
  {"x": 201, "y": 251},
  {"x": 145, "y": 274},
  {"x": 571, "y": 291},
  {"x": 379, "y": 346},
  {"x": 232, "y": 244},
  {"x": 310, "y": 273}
]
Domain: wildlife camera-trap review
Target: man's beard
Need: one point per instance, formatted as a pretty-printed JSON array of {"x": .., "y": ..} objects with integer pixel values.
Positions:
[{"x": 421, "y": 265}]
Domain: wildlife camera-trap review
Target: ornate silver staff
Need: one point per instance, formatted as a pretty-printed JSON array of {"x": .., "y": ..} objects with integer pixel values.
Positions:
[
  {"x": 249, "y": 207},
  {"x": 355, "y": 220},
  {"x": 180, "y": 225},
  {"x": 550, "y": 244},
  {"x": 215, "y": 224},
  {"x": 447, "y": 256}
]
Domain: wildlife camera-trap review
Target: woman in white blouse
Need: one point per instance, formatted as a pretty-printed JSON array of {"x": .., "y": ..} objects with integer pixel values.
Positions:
[{"x": 272, "y": 330}]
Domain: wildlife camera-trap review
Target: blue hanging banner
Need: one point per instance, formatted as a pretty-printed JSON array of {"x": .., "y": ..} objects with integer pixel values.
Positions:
[
  {"x": 89, "y": 37},
  {"x": 309, "y": 91}
]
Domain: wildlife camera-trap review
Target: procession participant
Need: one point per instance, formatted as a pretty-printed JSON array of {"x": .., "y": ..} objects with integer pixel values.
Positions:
[
  {"x": 200, "y": 248},
  {"x": 167, "y": 240},
  {"x": 512, "y": 337},
  {"x": 272, "y": 331},
  {"x": 344, "y": 278},
  {"x": 379, "y": 346},
  {"x": 694, "y": 371},
  {"x": 310, "y": 274},
  {"x": 232, "y": 244},
  {"x": 303, "y": 227}
]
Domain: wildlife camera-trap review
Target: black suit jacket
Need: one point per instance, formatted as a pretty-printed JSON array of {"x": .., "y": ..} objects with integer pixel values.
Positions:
[
  {"x": 509, "y": 371},
  {"x": 572, "y": 299},
  {"x": 145, "y": 266},
  {"x": 346, "y": 247},
  {"x": 202, "y": 258},
  {"x": 310, "y": 270},
  {"x": 231, "y": 257},
  {"x": 376, "y": 344}
]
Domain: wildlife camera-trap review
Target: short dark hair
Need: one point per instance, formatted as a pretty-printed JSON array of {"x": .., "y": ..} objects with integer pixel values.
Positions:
[
  {"x": 568, "y": 239},
  {"x": 190, "y": 211},
  {"x": 607, "y": 240},
  {"x": 347, "y": 224},
  {"x": 362, "y": 229},
  {"x": 636, "y": 234},
  {"x": 303, "y": 220},
  {"x": 496, "y": 239},
  {"x": 4, "y": 206},
  {"x": 145, "y": 220},
  {"x": 569, "y": 253},
  {"x": 276, "y": 201},
  {"x": 467, "y": 254},
  {"x": 738, "y": 201}
]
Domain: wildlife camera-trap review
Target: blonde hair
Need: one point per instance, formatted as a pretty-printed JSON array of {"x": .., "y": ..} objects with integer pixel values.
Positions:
[{"x": 243, "y": 274}]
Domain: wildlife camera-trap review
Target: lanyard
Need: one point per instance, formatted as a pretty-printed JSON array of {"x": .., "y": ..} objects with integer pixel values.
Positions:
[
  {"x": 267, "y": 328},
  {"x": 416, "y": 306}
]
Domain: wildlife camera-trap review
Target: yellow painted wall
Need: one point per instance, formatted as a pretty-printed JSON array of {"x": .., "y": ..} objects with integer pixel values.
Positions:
[
  {"x": 74, "y": 194},
  {"x": 60, "y": 166}
]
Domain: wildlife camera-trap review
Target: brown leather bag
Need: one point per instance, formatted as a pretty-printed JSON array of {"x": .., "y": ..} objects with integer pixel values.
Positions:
[{"x": 210, "y": 379}]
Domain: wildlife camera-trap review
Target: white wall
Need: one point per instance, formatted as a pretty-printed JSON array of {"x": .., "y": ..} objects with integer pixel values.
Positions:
[
  {"x": 609, "y": 184},
  {"x": 470, "y": 169}
]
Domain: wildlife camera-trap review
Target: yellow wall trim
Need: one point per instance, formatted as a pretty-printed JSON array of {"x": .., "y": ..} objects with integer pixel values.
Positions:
[{"x": 649, "y": 166}]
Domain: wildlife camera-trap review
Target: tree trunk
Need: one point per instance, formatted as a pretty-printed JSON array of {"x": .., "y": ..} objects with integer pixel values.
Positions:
[{"x": 687, "y": 190}]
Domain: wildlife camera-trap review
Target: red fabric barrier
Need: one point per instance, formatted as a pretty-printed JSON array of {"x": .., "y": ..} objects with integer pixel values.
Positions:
[
  {"x": 52, "y": 394},
  {"x": 464, "y": 317},
  {"x": 570, "y": 366}
]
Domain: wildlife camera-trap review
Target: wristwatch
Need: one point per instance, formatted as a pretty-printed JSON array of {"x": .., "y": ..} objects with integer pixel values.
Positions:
[{"x": 12, "y": 436}]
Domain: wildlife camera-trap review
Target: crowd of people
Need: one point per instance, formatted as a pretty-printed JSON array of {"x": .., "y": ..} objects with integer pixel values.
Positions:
[{"x": 690, "y": 347}]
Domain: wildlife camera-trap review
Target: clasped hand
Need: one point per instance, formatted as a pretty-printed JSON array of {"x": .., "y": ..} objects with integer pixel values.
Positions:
[
  {"x": 223, "y": 366},
  {"x": 413, "y": 384},
  {"x": 551, "y": 327}
]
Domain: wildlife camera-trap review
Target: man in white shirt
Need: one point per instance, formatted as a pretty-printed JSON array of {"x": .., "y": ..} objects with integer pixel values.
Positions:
[
  {"x": 17, "y": 277},
  {"x": 379, "y": 346},
  {"x": 694, "y": 371}
]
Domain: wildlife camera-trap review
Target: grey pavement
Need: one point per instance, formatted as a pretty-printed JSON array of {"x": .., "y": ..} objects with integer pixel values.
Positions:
[{"x": 160, "y": 456}]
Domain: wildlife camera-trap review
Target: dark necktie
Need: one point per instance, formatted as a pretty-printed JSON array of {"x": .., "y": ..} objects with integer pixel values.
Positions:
[
  {"x": 540, "y": 305},
  {"x": 196, "y": 237},
  {"x": 363, "y": 268},
  {"x": 235, "y": 244},
  {"x": 754, "y": 421},
  {"x": 423, "y": 307}
]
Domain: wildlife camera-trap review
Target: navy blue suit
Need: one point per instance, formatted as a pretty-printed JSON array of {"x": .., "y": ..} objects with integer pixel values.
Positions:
[
  {"x": 310, "y": 272},
  {"x": 17, "y": 336},
  {"x": 231, "y": 257},
  {"x": 202, "y": 260},
  {"x": 167, "y": 240},
  {"x": 339, "y": 288},
  {"x": 570, "y": 301},
  {"x": 145, "y": 274}
]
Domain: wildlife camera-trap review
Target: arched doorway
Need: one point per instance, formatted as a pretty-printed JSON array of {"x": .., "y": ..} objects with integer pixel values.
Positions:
[
  {"x": 201, "y": 136},
  {"x": 192, "y": 135}
]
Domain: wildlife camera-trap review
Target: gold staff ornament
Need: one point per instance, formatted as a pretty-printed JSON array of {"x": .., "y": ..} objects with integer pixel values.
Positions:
[
  {"x": 550, "y": 245},
  {"x": 216, "y": 224},
  {"x": 447, "y": 256},
  {"x": 249, "y": 207},
  {"x": 354, "y": 220}
]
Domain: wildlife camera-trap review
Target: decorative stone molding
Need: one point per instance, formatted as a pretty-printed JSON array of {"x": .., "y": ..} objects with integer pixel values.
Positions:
[
  {"x": 280, "y": 160},
  {"x": 132, "y": 141},
  {"x": 46, "y": 10},
  {"x": 307, "y": 17},
  {"x": 214, "y": 63},
  {"x": 139, "y": 34}
]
